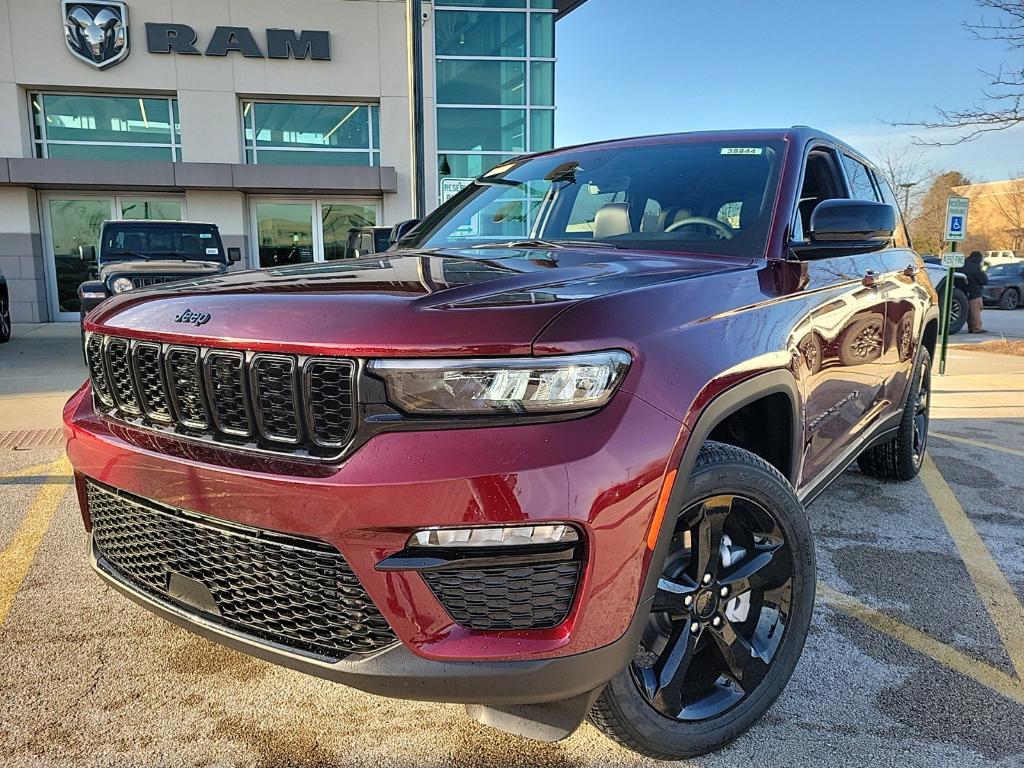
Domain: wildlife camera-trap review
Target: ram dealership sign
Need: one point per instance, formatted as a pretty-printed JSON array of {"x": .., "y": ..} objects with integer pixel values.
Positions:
[{"x": 97, "y": 33}]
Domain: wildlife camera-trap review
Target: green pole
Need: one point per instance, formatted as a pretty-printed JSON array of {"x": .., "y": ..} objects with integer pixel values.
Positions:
[{"x": 947, "y": 305}]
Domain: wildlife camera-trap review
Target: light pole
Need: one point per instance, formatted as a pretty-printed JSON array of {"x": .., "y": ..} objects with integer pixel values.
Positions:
[{"x": 906, "y": 186}]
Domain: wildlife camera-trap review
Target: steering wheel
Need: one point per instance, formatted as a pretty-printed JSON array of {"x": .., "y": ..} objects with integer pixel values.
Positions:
[{"x": 723, "y": 229}]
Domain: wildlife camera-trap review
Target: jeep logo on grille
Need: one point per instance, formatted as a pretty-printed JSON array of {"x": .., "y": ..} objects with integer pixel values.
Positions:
[{"x": 193, "y": 318}]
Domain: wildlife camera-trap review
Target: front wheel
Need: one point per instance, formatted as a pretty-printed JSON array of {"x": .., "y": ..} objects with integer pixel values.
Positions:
[
  {"x": 1010, "y": 299},
  {"x": 5, "y": 319},
  {"x": 958, "y": 311},
  {"x": 730, "y": 616}
]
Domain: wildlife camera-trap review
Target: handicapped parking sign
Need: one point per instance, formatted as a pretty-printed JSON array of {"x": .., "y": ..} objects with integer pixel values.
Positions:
[{"x": 956, "y": 218}]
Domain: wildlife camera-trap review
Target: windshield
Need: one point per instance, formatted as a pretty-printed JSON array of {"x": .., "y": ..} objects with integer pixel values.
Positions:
[
  {"x": 189, "y": 242},
  {"x": 696, "y": 197},
  {"x": 1002, "y": 270}
]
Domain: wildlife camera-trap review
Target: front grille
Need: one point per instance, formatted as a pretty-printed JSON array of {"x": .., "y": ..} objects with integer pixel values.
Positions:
[
  {"x": 296, "y": 592},
  {"x": 286, "y": 404},
  {"x": 524, "y": 597},
  {"x": 145, "y": 282}
]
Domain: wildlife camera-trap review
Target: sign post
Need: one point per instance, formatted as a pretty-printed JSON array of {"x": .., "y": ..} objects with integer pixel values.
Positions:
[{"x": 956, "y": 232}]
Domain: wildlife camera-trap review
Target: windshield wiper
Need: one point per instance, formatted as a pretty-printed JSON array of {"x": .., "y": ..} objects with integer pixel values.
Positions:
[{"x": 539, "y": 243}]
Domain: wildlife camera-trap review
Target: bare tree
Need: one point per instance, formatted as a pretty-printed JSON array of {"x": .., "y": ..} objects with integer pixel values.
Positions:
[
  {"x": 1009, "y": 206},
  {"x": 928, "y": 223},
  {"x": 904, "y": 168},
  {"x": 1001, "y": 105}
]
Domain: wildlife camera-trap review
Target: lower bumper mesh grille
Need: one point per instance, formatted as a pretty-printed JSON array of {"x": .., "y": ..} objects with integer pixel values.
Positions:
[
  {"x": 525, "y": 597},
  {"x": 299, "y": 593}
]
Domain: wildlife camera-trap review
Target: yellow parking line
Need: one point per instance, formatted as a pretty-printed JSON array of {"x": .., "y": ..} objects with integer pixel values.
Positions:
[
  {"x": 17, "y": 558},
  {"x": 977, "y": 443},
  {"x": 944, "y": 654},
  {"x": 38, "y": 469},
  {"x": 995, "y": 591}
]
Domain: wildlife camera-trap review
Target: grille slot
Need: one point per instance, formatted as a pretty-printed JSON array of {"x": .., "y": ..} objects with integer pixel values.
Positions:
[
  {"x": 119, "y": 372},
  {"x": 525, "y": 597},
  {"x": 186, "y": 386},
  {"x": 145, "y": 282},
  {"x": 329, "y": 398},
  {"x": 277, "y": 411},
  {"x": 97, "y": 369},
  {"x": 149, "y": 375},
  {"x": 285, "y": 404},
  {"x": 225, "y": 375},
  {"x": 297, "y": 592}
]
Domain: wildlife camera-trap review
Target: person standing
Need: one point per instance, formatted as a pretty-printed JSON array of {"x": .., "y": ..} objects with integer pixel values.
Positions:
[{"x": 976, "y": 280}]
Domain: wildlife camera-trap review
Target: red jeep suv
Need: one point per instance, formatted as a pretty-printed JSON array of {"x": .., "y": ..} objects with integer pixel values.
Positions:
[{"x": 548, "y": 456}]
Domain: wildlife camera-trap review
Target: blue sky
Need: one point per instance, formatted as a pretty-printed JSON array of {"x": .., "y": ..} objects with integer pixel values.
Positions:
[{"x": 629, "y": 67}]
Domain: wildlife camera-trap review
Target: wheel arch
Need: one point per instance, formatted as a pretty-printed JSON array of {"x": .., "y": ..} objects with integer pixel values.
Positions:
[{"x": 772, "y": 386}]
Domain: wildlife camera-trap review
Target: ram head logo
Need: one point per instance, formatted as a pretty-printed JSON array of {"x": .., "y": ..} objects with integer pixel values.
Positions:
[{"x": 97, "y": 33}]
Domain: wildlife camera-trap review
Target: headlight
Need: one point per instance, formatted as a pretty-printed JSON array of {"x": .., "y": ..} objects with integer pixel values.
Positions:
[
  {"x": 510, "y": 385},
  {"x": 121, "y": 284}
]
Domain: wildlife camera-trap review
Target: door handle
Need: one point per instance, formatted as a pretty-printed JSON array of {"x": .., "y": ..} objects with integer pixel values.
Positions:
[
  {"x": 911, "y": 270},
  {"x": 872, "y": 278}
]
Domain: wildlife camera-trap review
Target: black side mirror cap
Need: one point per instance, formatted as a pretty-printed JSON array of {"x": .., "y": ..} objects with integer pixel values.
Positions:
[
  {"x": 234, "y": 255},
  {"x": 401, "y": 229},
  {"x": 87, "y": 252},
  {"x": 835, "y": 222}
]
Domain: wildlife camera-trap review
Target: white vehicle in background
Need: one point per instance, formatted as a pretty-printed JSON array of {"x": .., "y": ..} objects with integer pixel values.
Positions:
[{"x": 999, "y": 257}]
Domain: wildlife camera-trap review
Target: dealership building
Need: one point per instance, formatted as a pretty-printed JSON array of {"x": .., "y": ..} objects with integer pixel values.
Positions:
[{"x": 285, "y": 123}]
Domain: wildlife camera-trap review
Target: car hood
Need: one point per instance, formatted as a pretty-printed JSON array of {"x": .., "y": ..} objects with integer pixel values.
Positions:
[
  {"x": 160, "y": 267},
  {"x": 452, "y": 302}
]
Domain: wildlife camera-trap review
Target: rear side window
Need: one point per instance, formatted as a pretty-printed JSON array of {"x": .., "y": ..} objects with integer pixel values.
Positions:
[
  {"x": 900, "y": 235},
  {"x": 859, "y": 177}
]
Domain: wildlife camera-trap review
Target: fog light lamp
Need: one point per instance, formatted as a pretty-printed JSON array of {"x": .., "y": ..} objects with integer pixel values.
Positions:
[{"x": 513, "y": 536}]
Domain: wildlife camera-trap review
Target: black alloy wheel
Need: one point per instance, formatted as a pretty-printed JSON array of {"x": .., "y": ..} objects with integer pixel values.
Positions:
[
  {"x": 922, "y": 407},
  {"x": 5, "y": 319},
  {"x": 728, "y": 619},
  {"x": 720, "y": 612}
]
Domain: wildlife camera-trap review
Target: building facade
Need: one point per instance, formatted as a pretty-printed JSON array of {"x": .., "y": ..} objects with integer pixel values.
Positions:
[
  {"x": 286, "y": 124},
  {"x": 996, "y": 220}
]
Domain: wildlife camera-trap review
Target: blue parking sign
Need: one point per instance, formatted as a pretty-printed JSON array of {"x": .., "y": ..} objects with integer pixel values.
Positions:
[
  {"x": 957, "y": 208},
  {"x": 956, "y": 224}
]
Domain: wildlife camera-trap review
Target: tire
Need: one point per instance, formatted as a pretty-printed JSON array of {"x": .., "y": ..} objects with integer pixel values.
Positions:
[
  {"x": 900, "y": 459},
  {"x": 958, "y": 311},
  {"x": 1010, "y": 299},
  {"x": 5, "y": 319},
  {"x": 627, "y": 711}
]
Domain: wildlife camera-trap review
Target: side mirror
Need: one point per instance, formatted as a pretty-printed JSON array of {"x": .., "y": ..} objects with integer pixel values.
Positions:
[
  {"x": 401, "y": 229},
  {"x": 853, "y": 222},
  {"x": 87, "y": 252},
  {"x": 234, "y": 255}
]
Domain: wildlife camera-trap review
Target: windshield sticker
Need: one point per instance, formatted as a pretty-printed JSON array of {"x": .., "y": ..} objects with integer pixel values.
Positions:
[
  {"x": 212, "y": 251},
  {"x": 742, "y": 150},
  {"x": 205, "y": 235}
]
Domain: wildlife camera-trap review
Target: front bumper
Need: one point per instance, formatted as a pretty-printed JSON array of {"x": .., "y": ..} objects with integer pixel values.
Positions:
[{"x": 602, "y": 473}]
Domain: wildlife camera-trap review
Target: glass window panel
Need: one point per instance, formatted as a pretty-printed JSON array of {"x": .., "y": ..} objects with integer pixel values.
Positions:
[
  {"x": 861, "y": 187},
  {"x": 542, "y": 35},
  {"x": 500, "y": 130},
  {"x": 542, "y": 129},
  {"x": 468, "y": 166},
  {"x": 481, "y": 82},
  {"x": 375, "y": 139},
  {"x": 376, "y": 158},
  {"x": 37, "y": 117},
  {"x": 311, "y": 157},
  {"x": 110, "y": 152},
  {"x": 154, "y": 210},
  {"x": 176, "y": 118},
  {"x": 542, "y": 83},
  {"x": 311, "y": 125},
  {"x": 284, "y": 233},
  {"x": 74, "y": 223},
  {"x": 484, "y": 3},
  {"x": 338, "y": 220},
  {"x": 542, "y": 3},
  {"x": 479, "y": 33},
  {"x": 107, "y": 119}
]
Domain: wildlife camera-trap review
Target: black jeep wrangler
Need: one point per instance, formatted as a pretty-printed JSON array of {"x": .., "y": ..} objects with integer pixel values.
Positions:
[{"x": 140, "y": 254}]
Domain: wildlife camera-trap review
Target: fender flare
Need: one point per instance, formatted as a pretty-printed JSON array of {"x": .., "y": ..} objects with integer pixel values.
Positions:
[{"x": 721, "y": 407}]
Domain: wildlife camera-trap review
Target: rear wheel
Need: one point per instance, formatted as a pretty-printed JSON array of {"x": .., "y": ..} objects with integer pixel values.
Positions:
[
  {"x": 5, "y": 319},
  {"x": 901, "y": 457},
  {"x": 1010, "y": 299},
  {"x": 729, "y": 618},
  {"x": 957, "y": 311}
]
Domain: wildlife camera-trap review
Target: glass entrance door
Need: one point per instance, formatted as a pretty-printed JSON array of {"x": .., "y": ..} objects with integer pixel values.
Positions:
[
  {"x": 70, "y": 221},
  {"x": 300, "y": 231}
]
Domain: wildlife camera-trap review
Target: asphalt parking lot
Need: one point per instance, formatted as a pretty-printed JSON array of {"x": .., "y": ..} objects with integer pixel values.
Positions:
[{"x": 915, "y": 658}]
